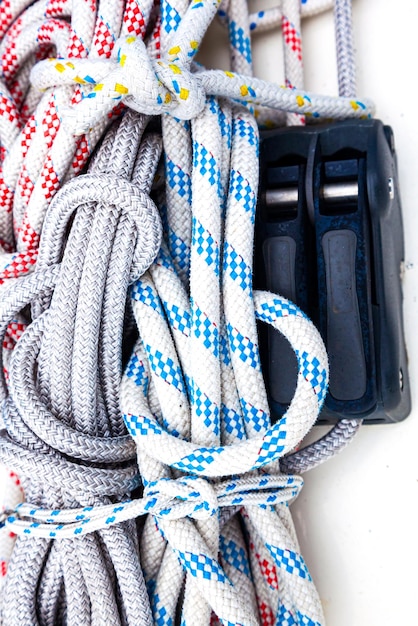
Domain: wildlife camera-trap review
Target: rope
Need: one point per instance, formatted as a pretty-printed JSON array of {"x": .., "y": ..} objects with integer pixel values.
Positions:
[
  {"x": 345, "y": 48},
  {"x": 217, "y": 543},
  {"x": 175, "y": 90},
  {"x": 65, "y": 433},
  {"x": 268, "y": 19},
  {"x": 292, "y": 49},
  {"x": 37, "y": 152}
]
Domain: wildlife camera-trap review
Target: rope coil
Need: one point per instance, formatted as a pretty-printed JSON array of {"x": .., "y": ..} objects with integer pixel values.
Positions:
[
  {"x": 217, "y": 543},
  {"x": 74, "y": 451}
]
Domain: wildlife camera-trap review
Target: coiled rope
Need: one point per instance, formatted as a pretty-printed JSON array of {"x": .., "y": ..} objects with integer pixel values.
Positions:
[
  {"x": 65, "y": 434},
  {"x": 37, "y": 153},
  {"x": 193, "y": 381}
]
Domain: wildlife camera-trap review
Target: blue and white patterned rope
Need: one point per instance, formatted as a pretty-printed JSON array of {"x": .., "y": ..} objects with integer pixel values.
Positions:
[
  {"x": 170, "y": 499},
  {"x": 163, "y": 440},
  {"x": 250, "y": 454}
]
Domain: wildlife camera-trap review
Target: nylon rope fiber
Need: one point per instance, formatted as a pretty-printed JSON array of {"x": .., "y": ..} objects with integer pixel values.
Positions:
[{"x": 136, "y": 424}]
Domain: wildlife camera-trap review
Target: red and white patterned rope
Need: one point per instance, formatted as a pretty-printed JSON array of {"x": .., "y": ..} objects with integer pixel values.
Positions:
[{"x": 38, "y": 153}]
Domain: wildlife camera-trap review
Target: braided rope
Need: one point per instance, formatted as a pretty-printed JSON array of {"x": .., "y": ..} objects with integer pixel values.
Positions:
[
  {"x": 175, "y": 89},
  {"x": 37, "y": 153},
  {"x": 240, "y": 412},
  {"x": 69, "y": 446},
  {"x": 193, "y": 381},
  {"x": 345, "y": 48},
  {"x": 270, "y": 18},
  {"x": 292, "y": 48}
]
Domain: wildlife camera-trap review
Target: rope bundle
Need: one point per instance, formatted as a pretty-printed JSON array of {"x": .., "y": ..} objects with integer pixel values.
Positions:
[
  {"x": 191, "y": 397},
  {"x": 228, "y": 419},
  {"x": 65, "y": 435},
  {"x": 37, "y": 152}
]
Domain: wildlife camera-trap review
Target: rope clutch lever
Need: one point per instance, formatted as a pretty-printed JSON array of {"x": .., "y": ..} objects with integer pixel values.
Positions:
[{"x": 329, "y": 237}]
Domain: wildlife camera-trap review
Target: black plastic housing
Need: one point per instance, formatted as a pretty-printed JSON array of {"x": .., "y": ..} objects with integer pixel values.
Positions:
[{"x": 333, "y": 244}]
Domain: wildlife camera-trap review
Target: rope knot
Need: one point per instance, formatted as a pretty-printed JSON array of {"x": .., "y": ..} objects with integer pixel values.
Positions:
[
  {"x": 188, "y": 496},
  {"x": 146, "y": 85},
  {"x": 167, "y": 499},
  {"x": 200, "y": 498},
  {"x": 153, "y": 86}
]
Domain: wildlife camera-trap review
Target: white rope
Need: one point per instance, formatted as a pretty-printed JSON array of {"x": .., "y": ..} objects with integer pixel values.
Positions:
[
  {"x": 218, "y": 542},
  {"x": 168, "y": 86},
  {"x": 267, "y": 19},
  {"x": 250, "y": 412},
  {"x": 292, "y": 49}
]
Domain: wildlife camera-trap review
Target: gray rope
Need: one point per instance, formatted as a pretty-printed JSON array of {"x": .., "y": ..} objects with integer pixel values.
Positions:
[
  {"x": 322, "y": 450},
  {"x": 65, "y": 435},
  {"x": 346, "y": 62}
]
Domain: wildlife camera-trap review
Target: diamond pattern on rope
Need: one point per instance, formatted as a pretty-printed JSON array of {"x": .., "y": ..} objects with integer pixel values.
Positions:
[
  {"x": 165, "y": 368},
  {"x": 292, "y": 37},
  {"x": 206, "y": 409},
  {"x": 206, "y": 164},
  {"x": 200, "y": 565},
  {"x": 205, "y": 245},
  {"x": 206, "y": 330},
  {"x": 237, "y": 268},
  {"x": 136, "y": 370},
  {"x": 313, "y": 372},
  {"x": 242, "y": 191},
  {"x": 198, "y": 461},
  {"x": 179, "y": 318},
  {"x": 292, "y": 562},
  {"x": 245, "y": 348},
  {"x": 232, "y": 422},
  {"x": 170, "y": 17},
  {"x": 145, "y": 294},
  {"x": 235, "y": 555},
  {"x": 133, "y": 19},
  {"x": 240, "y": 41}
]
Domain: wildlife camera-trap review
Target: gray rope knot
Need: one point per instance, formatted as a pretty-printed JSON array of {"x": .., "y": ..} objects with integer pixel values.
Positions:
[{"x": 146, "y": 85}]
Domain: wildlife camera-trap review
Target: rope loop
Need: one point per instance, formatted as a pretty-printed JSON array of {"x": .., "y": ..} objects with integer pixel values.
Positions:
[
  {"x": 133, "y": 202},
  {"x": 36, "y": 434},
  {"x": 251, "y": 454}
]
